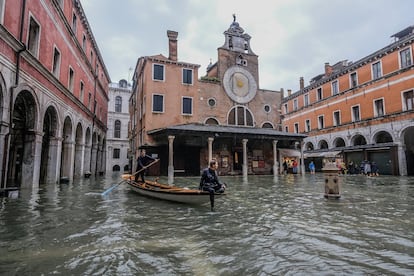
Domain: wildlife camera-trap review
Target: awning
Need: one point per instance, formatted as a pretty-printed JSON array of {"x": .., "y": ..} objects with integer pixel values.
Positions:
[
  {"x": 289, "y": 152},
  {"x": 325, "y": 154}
]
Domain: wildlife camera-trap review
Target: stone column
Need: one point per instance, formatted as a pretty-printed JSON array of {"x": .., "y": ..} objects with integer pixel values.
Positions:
[
  {"x": 402, "y": 161},
  {"x": 94, "y": 158},
  {"x": 171, "y": 159},
  {"x": 79, "y": 159},
  {"x": 3, "y": 146},
  {"x": 53, "y": 163},
  {"x": 37, "y": 157},
  {"x": 87, "y": 159},
  {"x": 245, "y": 161},
  {"x": 210, "y": 149},
  {"x": 302, "y": 159},
  {"x": 275, "y": 163}
]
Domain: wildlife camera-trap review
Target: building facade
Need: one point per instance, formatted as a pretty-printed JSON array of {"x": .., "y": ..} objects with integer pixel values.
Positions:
[
  {"x": 186, "y": 121},
  {"x": 117, "y": 143},
  {"x": 53, "y": 94},
  {"x": 360, "y": 111}
]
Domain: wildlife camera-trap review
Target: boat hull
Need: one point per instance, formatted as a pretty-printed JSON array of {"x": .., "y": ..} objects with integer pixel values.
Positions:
[{"x": 171, "y": 193}]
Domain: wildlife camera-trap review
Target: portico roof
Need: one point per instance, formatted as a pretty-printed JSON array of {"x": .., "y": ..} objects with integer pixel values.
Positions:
[{"x": 227, "y": 131}]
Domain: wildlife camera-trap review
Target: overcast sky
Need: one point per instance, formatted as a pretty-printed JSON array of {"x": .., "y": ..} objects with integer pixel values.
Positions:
[{"x": 292, "y": 38}]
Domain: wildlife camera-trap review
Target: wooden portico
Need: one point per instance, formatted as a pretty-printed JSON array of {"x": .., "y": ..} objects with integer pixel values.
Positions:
[{"x": 239, "y": 150}]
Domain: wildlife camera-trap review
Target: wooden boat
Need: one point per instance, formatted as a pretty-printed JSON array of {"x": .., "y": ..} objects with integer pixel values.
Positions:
[{"x": 172, "y": 193}]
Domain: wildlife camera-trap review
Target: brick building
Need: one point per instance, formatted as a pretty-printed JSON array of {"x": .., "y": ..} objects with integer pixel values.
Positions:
[
  {"x": 361, "y": 110},
  {"x": 186, "y": 120},
  {"x": 53, "y": 93}
]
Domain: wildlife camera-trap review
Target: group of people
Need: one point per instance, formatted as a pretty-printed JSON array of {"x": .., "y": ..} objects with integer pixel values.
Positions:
[
  {"x": 287, "y": 164},
  {"x": 366, "y": 167}
]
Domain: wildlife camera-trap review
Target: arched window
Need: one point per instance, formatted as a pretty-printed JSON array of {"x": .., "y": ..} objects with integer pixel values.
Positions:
[
  {"x": 211, "y": 121},
  {"x": 323, "y": 144},
  {"x": 240, "y": 116},
  {"x": 116, "y": 168},
  {"x": 117, "y": 129},
  {"x": 267, "y": 125},
  {"x": 118, "y": 104}
]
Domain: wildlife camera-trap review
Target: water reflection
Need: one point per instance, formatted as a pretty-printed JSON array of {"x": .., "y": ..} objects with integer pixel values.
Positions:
[{"x": 264, "y": 226}]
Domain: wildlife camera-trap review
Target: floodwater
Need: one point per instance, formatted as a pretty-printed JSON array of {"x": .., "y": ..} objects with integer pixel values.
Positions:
[{"x": 264, "y": 226}]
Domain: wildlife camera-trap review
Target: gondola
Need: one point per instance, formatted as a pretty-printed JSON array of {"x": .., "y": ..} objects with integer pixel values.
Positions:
[{"x": 171, "y": 193}]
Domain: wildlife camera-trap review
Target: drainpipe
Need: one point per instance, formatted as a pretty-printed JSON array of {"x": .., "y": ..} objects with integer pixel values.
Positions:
[{"x": 16, "y": 83}]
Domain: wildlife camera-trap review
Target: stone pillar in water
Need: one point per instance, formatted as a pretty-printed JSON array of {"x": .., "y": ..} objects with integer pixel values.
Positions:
[{"x": 332, "y": 187}]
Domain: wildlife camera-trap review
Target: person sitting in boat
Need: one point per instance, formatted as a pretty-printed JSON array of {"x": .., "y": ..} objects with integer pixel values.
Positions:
[
  {"x": 142, "y": 161},
  {"x": 209, "y": 181}
]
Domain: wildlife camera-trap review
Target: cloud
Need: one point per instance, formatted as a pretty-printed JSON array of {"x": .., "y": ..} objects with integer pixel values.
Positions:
[{"x": 292, "y": 38}]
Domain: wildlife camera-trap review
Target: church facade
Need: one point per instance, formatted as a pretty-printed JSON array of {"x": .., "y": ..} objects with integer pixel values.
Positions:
[{"x": 186, "y": 121}]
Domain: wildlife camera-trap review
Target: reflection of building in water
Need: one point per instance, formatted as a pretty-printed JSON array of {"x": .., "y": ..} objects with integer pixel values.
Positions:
[
  {"x": 360, "y": 110},
  {"x": 224, "y": 114}
]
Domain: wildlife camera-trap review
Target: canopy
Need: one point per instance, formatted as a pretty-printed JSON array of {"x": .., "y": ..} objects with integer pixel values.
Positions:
[
  {"x": 322, "y": 154},
  {"x": 289, "y": 152}
]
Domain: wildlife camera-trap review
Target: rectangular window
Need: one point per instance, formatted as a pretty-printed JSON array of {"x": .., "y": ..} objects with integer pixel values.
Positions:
[
  {"x": 353, "y": 80},
  {"x": 321, "y": 122},
  {"x": 307, "y": 125},
  {"x": 89, "y": 100},
  {"x": 337, "y": 118},
  {"x": 296, "y": 127},
  {"x": 320, "y": 94},
  {"x": 74, "y": 22},
  {"x": 71, "y": 79},
  {"x": 118, "y": 104},
  {"x": 408, "y": 98},
  {"x": 158, "y": 72},
  {"x": 56, "y": 63},
  {"x": 91, "y": 57},
  {"x": 285, "y": 106},
  {"x": 286, "y": 129},
  {"x": 84, "y": 42},
  {"x": 405, "y": 58},
  {"x": 379, "y": 108},
  {"x": 187, "y": 106},
  {"x": 82, "y": 87},
  {"x": 187, "y": 76},
  {"x": 295, "y": 104},
  {"x": 376, "y": 70},
  {"x": 335, "y": 87},
  {"x": 306, "y": 99},
  {"x": 33, "y": 37},
  {"x": 356, "y": 117},
  {"x": 117, "y": 153},
  {"x": 157, "y": 103}
]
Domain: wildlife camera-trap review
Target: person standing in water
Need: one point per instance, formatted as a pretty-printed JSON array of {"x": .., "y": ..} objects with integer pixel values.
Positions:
[{"x": 209, "y": 182}]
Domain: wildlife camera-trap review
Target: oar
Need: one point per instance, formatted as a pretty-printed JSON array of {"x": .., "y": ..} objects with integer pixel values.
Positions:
[{"x": 119, "y": 183}]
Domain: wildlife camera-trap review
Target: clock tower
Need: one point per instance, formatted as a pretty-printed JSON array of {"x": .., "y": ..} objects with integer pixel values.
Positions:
[{"x": 237, "y": 65}]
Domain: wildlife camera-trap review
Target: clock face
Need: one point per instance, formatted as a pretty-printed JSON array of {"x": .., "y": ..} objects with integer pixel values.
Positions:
[{"x": 239, "y": 84}]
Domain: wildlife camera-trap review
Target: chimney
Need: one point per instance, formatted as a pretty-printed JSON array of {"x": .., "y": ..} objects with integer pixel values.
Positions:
[
  {"x": 172, "y": 45},
  {"x": 289, "y": 92},
  {"x": 301, "y": 83},
  {"x": 328, "y": 69}
]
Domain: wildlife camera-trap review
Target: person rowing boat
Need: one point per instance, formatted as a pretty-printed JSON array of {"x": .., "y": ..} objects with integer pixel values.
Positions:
[{"x": 209, "y": 182}]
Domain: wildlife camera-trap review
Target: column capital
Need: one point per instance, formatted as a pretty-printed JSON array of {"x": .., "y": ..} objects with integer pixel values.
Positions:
[
  {"x": 244, "y": 141},
  {"x": 210, "y": 139}
]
